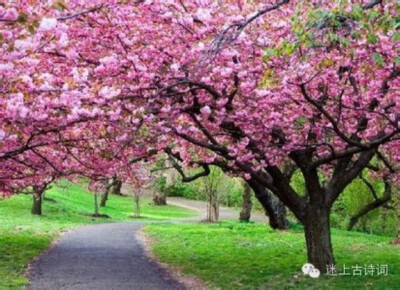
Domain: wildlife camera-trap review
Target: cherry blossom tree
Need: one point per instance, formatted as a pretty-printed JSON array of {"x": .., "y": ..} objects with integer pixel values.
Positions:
[
  {"x": 310, "y": 84},
  {"x": 49, "y": 125}
]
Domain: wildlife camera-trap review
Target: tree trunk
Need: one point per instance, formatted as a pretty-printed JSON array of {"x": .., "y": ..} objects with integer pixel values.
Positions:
[
  {"x": 212, "y": 209},
  {"x": 274, "y": 209},
  {"x": 117, "y": 188},
  {"x": 96, "y": 205},
  {"x": 246, "y": 204},
  {"x": 215, "y": 210},
  {"x": 318, "y": 238},
  {"x": 136, "y": 208},
  {"x": 37, "y": 201},
  {"x": 160, "y": 198},
  {"x": 104, "y": 196}
]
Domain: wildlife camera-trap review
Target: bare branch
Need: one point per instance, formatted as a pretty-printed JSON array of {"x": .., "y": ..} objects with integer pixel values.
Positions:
[
  {"x": 372, "y": 4},
  {"x": 77, "y": 14},
  {"x": 230, "y": 34},
  {"x": 371, "y": 206}
]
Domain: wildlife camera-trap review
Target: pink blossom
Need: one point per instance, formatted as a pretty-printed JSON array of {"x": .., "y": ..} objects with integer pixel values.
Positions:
[{"x": 47, "y": 23}]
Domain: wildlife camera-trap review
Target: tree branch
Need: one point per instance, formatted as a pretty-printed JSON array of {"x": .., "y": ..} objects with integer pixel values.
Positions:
[{"x": 371, "y": 206}]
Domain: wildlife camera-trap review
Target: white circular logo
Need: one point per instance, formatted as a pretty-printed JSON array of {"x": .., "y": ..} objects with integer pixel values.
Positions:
[
  {"x": 314, "y": 273},
  {"x": 310, "y": 270},
  {"x": 307, "y": 268}
]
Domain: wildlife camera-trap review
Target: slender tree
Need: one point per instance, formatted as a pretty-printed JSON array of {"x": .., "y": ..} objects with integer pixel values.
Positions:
[{"x": 247, "y": 204}]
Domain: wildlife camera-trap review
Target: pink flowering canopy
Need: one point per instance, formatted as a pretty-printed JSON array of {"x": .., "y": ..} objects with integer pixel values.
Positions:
[
  {"x": 252, "y": 92},
  {"x": 51, "y": 123}
]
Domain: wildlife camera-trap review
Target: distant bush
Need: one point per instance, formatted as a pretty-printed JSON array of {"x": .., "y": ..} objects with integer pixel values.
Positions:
[
  {"x": 231, "y": 189},
  {"x": 180, "y": 189}
]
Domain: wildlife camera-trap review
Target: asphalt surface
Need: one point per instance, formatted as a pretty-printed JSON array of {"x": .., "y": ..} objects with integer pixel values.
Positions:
[
  {"x": 104, "y": 256},
  {"x": 108, "y": 257}
]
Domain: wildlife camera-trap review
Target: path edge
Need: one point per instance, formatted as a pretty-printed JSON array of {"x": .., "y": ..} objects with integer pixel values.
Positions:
[
  {"x": 32, "y": 263},
  {"x": 191, "y": 282}
]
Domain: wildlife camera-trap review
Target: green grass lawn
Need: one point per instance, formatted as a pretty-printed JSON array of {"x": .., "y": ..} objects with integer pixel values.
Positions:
[
  {"x": 252, "y": 256},
  {"x": 23, "y": 236}
]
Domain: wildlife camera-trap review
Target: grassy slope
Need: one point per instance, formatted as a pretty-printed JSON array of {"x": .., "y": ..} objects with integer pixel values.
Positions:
[
  {"x": 23, "y": 236},
  {"x": 250, "y": 256}
]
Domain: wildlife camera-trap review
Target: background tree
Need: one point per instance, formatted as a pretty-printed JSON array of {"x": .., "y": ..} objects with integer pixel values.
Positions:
[
  {"x": 247, "y": 204},
  {"x": 274, "y": 209},
  {"x": 137, "y": 193},
  {"x": 211, "y": 186},
  {"x": 104, "y": 197},
  {"x": 116, "y": 189},
  {"x": 38, "y": 194}
]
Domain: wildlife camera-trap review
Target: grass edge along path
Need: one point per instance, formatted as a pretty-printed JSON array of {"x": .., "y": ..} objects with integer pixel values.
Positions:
[
  {"x": 24, "y": 236},
  {"x": 233, "y": 255}
]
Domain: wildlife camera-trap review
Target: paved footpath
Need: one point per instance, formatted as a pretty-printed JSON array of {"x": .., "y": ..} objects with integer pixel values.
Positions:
[
  {"x": 108, "y": 257},
  {"x": 103, "y": 256}
]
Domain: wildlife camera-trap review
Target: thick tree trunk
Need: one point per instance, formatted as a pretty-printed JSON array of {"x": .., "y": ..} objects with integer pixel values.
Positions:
[
  {"x": 117, "y": 187},
  {"x": 318, "y": 238},
  {"x": 160, "y": 198},
  {"x": 247, "y": 205},
  {"x": 274, "y": 209},
  {"x": 37, "y": 201}
]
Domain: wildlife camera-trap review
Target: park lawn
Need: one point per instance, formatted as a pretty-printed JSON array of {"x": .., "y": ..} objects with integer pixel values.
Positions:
[
  {"x": 23, "y": 236},
  {"x": 233, "y": 255}
]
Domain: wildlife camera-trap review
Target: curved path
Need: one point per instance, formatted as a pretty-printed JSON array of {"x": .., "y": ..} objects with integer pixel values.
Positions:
[
  {"x": 109, "y": 256},
  {"x": 103, "y": 256}
]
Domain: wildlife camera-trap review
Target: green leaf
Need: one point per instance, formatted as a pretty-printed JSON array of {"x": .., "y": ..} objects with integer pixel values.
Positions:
[
  {"x": 372, "y": 15},
  {"x": 396, "y": 36},
  {"x": 372, "y": 39},
  {"x": 378, "y": 59},
  {"x": 397, "y": 60},
  {"x": 355, "y": 35},
  {"x": 357, "y": 12},
  {"x": 345, "y": 42}
]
